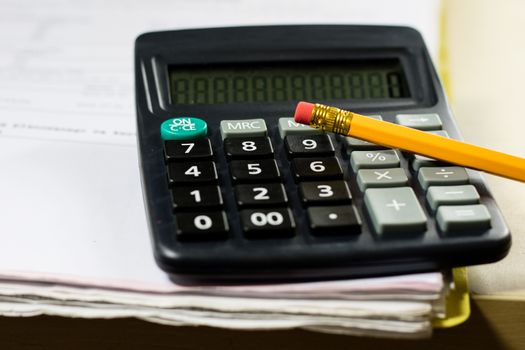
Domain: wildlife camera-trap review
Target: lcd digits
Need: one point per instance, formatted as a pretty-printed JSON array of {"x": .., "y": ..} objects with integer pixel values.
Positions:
[{"x": 208, "y": 84}]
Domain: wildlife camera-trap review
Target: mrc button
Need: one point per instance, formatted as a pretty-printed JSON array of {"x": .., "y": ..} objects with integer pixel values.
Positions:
[
  {"x": 243, "y": 128},
  {"x": 183, "y": 128}
]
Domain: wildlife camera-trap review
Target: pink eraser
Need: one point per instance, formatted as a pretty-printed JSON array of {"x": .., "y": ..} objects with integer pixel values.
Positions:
[{"x": 303, "y": 112}]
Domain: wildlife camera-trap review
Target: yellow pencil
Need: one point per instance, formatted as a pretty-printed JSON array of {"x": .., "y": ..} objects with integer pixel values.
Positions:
[{"x": 387, "y": 134}]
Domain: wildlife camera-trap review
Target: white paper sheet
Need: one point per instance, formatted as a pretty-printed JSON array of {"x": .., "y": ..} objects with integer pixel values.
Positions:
[
  {"x": 70, "y": 197},
  {"x": 66, "y": 67}
]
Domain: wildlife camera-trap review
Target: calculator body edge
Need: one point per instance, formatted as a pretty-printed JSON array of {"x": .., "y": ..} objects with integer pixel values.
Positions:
[{"x": 302, "y": 256}]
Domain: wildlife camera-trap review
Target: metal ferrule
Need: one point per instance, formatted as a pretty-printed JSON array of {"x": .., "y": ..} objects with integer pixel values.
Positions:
[{"x": 331, "y": 119}]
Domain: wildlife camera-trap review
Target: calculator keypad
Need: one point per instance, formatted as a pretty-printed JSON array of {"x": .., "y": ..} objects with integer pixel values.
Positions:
[
  {"x": 263, "y": 204},
  {"x": 449, "y": 196}
]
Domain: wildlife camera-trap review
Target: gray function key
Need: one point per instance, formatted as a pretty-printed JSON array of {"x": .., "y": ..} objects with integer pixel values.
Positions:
[
  {"x": 356, "y": 144},
  {"x": 395, "y": 210},
  {"x": 430, "y": 121},
  {"x": 451, "y": 195},
  {"x": 463, "y": 218},
  {"x": 243, "y": 128},
  {"x": 441, "y": 133},
  {"x": 374, "y": 159},
  {"x": 419, "y": 161},
  {"x": 390, "y": 177},
  {"x": 442, "y": 176},
  {"x": 287, "y": 126}
]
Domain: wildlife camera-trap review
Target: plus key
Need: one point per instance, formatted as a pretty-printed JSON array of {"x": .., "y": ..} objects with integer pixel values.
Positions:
[{"x": 394, "y": 210}]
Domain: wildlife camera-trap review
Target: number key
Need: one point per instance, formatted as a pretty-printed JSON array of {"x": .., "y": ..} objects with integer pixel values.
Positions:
[
  {"x": 198, "y": 226},
  {"x": 183, "y": 149},
  {"x": 267, "y": 223},
  {"x": 262, "y": 170},
  {"x": 256, "y": 195},
  {"x": 194, "y": 197},
  {"x": 309, "y": 145},
  {"x": 253, "y": 147},
  {"x": 324, "y": 192},
  {"x": 204, "y": 171},
  {"x": 315, "y": 168}
]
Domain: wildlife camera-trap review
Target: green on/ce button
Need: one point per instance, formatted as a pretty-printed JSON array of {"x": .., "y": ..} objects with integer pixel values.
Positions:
[{"x": 183, "y": 128}]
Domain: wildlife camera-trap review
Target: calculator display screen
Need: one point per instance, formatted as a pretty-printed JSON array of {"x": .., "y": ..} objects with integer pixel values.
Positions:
[{"x": 282, "y": 82}]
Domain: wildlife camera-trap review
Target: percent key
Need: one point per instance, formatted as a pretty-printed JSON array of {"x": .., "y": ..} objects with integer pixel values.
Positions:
[{"x": 374, "y": 159}]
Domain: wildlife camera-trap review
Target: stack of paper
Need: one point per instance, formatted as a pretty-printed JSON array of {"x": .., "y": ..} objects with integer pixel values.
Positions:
[
  {"x": 391, "y": 306},
  {"x": 74, "y": 239}
]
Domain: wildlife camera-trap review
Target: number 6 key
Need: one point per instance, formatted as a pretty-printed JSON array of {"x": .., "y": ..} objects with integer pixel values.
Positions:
[{"x": 316, "y": 168}]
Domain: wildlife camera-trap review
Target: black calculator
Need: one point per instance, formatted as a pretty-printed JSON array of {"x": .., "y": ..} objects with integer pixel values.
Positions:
[{"x": 235, "y": 190}]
